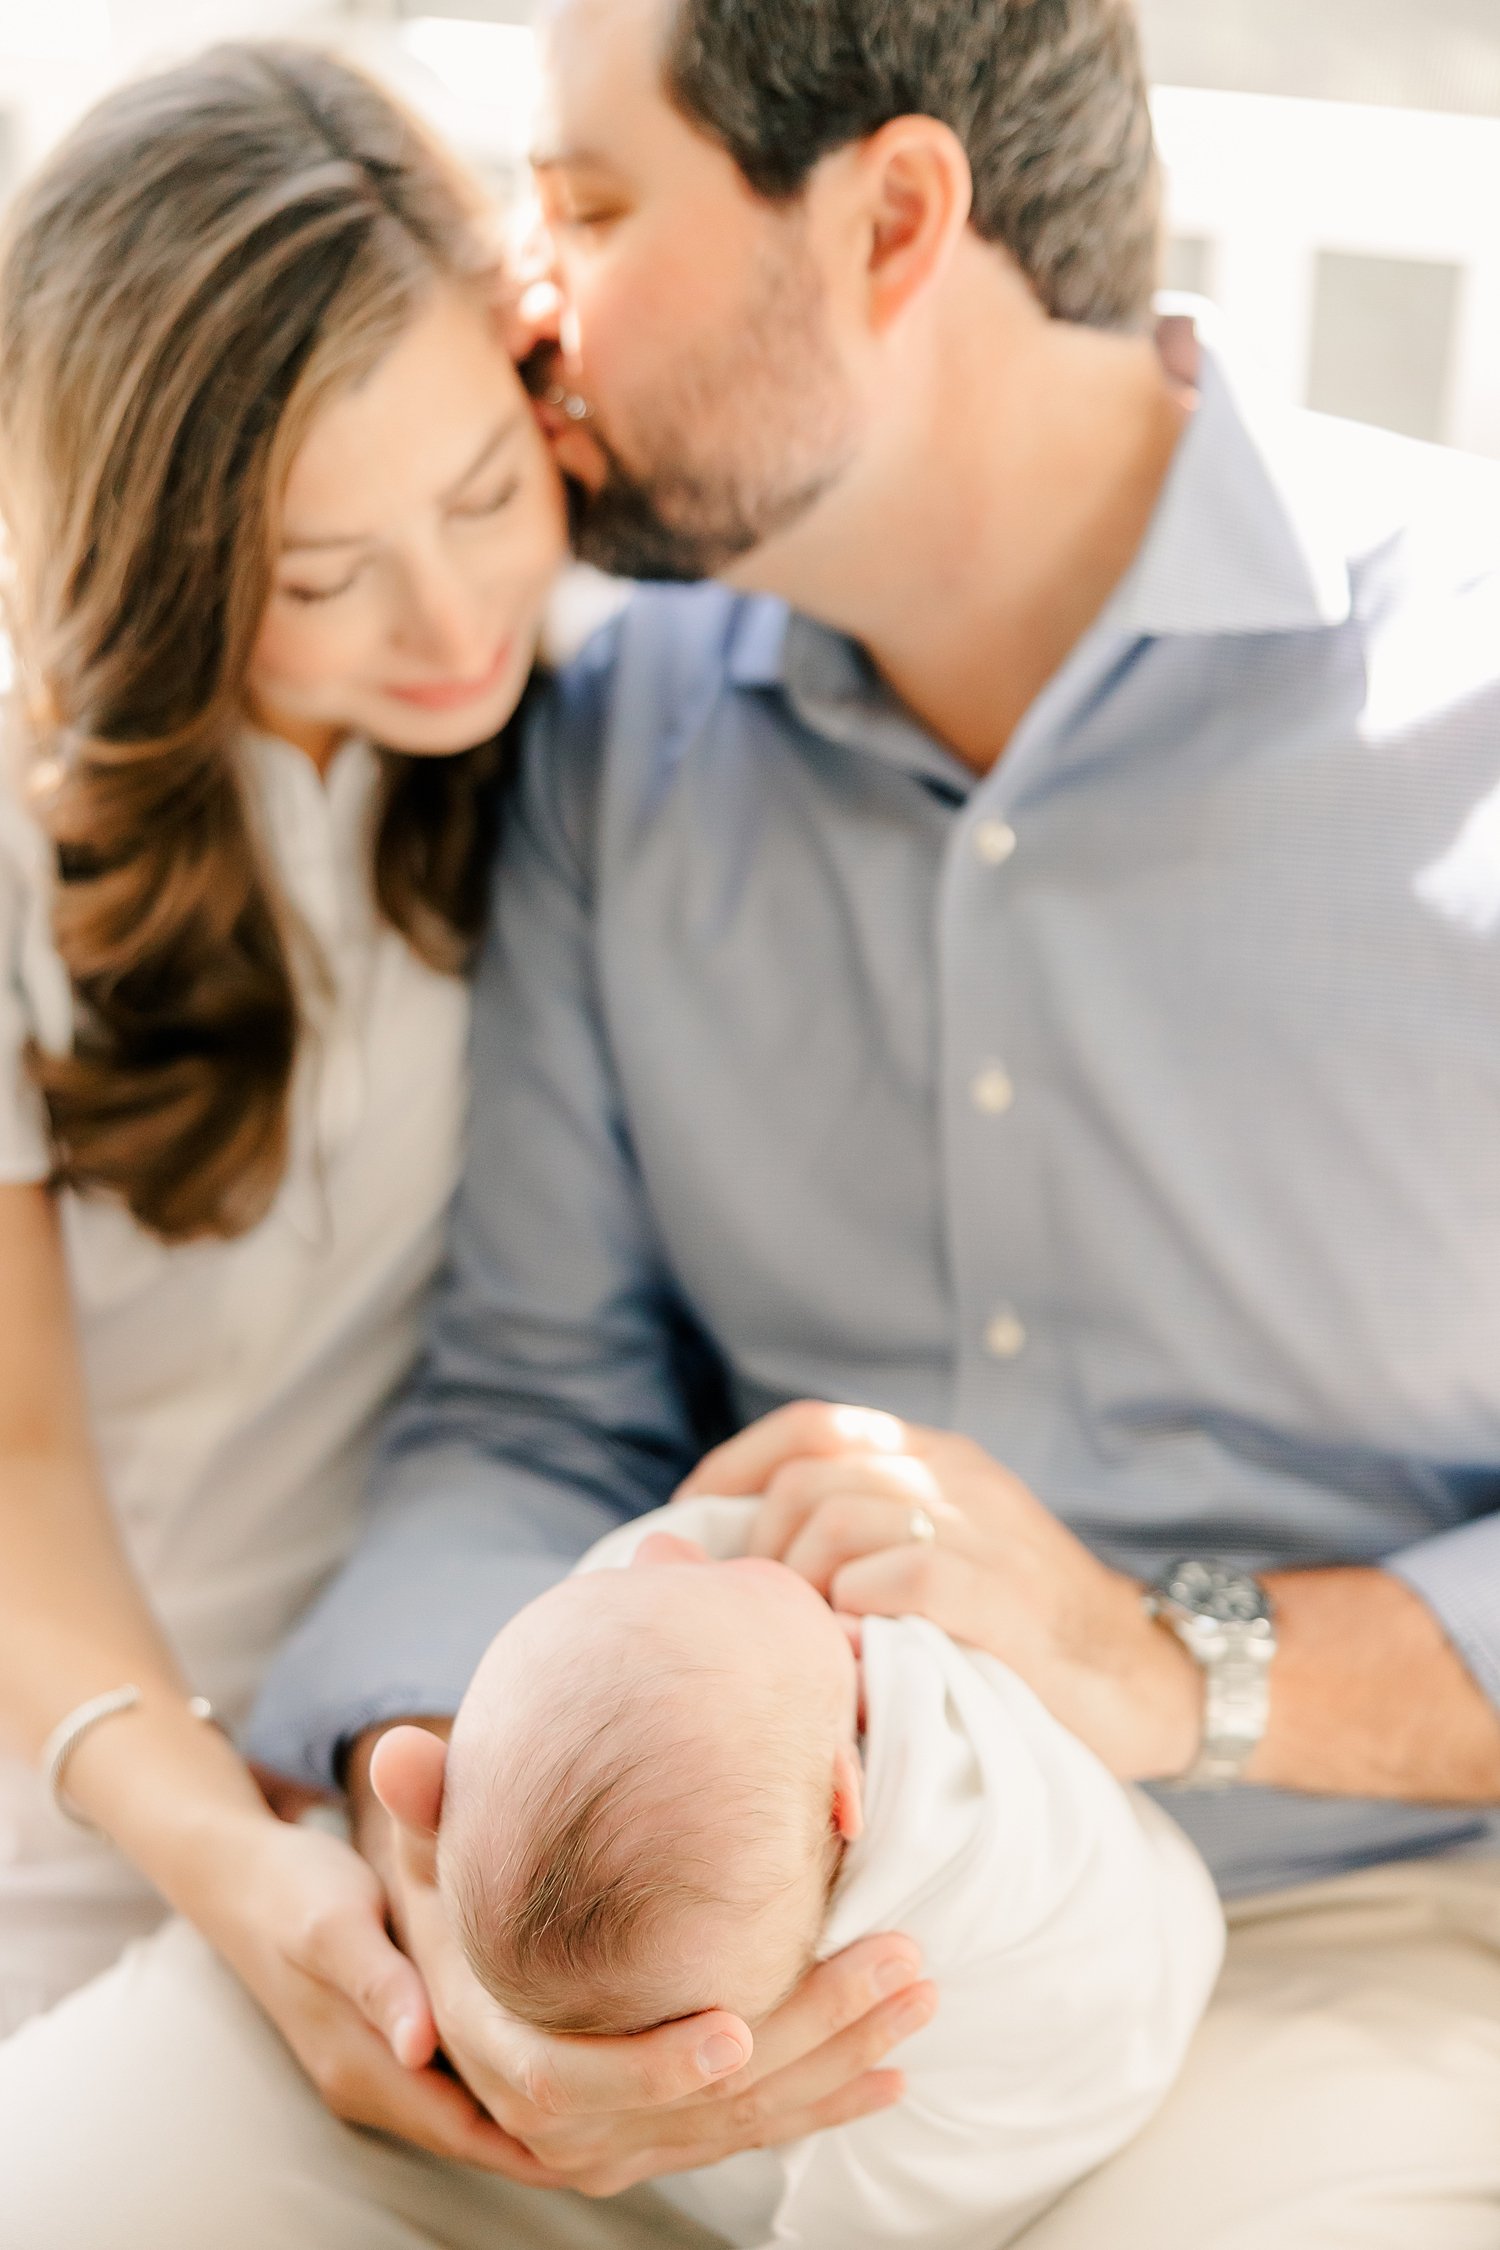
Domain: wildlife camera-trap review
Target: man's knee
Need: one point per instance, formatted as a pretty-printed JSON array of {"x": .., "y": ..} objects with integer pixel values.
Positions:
[{"x": 1344, "y": 2088}]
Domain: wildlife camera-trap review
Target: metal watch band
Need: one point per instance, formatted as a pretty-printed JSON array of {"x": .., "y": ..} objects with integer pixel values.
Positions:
[
  {"x": 1222, "y": 1616},
  {"x": 1236, "y": 1706}
]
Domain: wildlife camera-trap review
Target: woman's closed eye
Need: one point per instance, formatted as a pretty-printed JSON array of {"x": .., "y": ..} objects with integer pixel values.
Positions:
[
  {"x": 491, "y": 504},
  {"x": 323, "y": 593},
  {"x": 484, "y": 506}
]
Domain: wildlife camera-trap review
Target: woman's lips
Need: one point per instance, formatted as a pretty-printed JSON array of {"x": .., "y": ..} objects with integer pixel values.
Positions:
[{"x": 452, "y": 695}]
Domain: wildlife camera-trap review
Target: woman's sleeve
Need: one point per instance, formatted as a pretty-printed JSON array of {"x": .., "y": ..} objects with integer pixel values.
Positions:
[{"x": 24, "y": 1153}]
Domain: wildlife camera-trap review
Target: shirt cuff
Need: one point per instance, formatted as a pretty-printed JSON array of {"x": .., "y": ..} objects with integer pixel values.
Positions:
[
  {"x": 1458, "y": 1576},
  {"x": 457, "y": 1545}
]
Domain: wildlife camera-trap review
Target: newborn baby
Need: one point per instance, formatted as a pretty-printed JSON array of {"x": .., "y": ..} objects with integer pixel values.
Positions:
[{"x": 674, "y": 1786}]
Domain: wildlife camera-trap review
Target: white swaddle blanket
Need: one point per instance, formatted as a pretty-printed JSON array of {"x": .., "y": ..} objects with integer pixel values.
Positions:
[{"x": 1072, "y": 1930}]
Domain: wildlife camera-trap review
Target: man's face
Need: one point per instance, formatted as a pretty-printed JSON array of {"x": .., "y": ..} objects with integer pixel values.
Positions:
[{"x": 699, "y": 329}]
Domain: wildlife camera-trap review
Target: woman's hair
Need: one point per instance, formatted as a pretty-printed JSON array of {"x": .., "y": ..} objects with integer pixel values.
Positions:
[{"x": 211, "y": 255}]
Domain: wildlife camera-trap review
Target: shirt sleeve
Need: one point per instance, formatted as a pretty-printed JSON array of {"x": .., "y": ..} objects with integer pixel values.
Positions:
[
  {"x": 24, "y": 1153},
  {"x": 563, "y": 1385},
  {"x": 1457, "y": 1574}
]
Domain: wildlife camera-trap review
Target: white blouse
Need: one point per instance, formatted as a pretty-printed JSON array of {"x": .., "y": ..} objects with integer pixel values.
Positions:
[{"x": 235, "y": 1387}]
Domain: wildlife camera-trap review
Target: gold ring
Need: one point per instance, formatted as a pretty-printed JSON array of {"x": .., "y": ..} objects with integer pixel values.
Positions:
[{"x": 920, "y": 1528}]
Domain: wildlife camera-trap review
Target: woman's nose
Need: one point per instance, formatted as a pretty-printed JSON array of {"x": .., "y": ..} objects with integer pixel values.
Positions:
[{"x": 448, "y": 625}]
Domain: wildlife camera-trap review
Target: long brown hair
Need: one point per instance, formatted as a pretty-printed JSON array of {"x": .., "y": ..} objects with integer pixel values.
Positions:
[{"x": 210, "y": 255}]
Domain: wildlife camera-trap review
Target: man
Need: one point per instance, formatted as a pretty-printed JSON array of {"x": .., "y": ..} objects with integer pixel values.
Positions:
[{"x": 1043, "y": 986}]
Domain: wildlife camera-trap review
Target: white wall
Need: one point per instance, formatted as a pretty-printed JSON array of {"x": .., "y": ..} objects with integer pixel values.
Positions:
[
  {"x": 1270, "y": 187},
  {"x": 1357, "y": 247}
]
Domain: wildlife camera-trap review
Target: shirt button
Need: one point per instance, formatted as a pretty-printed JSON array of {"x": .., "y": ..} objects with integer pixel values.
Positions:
[
  {"x": 993, "y": 1091},
  {"x": 1005, "y": 1338},
  {"x": 994, "y": 841}
]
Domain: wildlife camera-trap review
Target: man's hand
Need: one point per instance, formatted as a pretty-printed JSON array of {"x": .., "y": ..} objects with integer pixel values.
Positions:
[
  {"x": 600, "y": 2115},
  {"x": 1368, "y": 1696},
  {"x": 840, "y": 1485}
]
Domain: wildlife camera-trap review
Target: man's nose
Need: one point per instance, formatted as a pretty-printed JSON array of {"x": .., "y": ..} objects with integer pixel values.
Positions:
[{"x": 535, "y": 303}]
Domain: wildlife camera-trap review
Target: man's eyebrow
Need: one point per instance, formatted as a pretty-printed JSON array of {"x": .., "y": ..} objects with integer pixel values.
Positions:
[
  {"x": 481, "y": 460},
  {"x": 568, "y": 160}
]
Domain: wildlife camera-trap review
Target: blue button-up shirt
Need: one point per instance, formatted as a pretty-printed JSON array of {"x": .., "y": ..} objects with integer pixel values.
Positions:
[{"x": 1134, "y": 1109}]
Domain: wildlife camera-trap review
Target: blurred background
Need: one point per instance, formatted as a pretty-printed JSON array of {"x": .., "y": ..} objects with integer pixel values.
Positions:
[{"x": 1334, "y": 164}]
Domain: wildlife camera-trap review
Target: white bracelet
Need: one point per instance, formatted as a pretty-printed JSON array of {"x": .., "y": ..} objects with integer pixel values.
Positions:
[{"x": 70, "y": 1731}]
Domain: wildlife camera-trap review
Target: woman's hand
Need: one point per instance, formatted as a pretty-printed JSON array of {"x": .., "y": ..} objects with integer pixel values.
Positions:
[
  {"x": 840, "y": 1485},
  {"x": 301, "y": 1919},
  {"x": 601, "y": 2115},
  {"x": 296, "y": 1913}
]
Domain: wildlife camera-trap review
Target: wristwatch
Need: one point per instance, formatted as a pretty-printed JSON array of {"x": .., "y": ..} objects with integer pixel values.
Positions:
[{"x": 1223, "y": 1618}]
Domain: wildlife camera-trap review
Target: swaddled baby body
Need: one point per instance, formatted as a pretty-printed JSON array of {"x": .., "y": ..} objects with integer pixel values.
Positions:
[{"x": 673, "y": 1785}]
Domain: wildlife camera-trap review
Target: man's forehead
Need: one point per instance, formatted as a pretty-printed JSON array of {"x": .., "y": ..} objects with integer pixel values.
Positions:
[
  {"x": 601, "y": 52},
  {"x": 605, "y": 109},
  {"x": 643, "y": 19}
]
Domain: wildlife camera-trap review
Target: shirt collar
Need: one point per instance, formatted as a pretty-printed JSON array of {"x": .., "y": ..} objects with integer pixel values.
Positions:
[
  {"x": 1243, "y": 541},
  {"x": 834, "y": 689}
]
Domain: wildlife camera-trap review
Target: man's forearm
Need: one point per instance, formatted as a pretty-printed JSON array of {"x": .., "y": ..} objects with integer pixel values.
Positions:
[{"x": 1369, "y": 1698}]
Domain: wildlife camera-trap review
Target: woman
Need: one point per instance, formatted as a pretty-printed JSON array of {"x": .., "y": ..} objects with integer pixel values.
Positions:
[{"x": 281, "y": 528}]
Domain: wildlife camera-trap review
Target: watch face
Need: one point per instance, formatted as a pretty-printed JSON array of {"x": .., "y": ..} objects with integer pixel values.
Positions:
[{"x": 1210, "y": 1589}]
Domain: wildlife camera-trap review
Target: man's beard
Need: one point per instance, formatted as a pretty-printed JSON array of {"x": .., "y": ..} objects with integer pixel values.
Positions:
[
  {"x": 676, "y": 526},
  {"x": 736, "y": 450}
]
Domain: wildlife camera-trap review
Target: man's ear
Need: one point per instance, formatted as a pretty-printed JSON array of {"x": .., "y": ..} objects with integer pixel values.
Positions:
[
  {"x": 919, "y": 192},
  {"x": 407, "y": 1768},
  {"x": 848, "y": 1795}
]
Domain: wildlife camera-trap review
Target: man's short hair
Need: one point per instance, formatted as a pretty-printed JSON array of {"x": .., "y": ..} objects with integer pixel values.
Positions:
[{"x": 1047, "y": 96}]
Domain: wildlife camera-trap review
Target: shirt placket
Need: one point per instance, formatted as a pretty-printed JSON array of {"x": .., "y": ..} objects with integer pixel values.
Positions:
[
  {"x": 318, "y": 827},
  {"x": 993, "y": 1093}
]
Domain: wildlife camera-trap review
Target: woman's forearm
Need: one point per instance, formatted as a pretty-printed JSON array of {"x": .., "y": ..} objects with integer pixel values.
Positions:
[
  {"x": 75, "y": 1624},
  {"x": 74, "y": 1621}
]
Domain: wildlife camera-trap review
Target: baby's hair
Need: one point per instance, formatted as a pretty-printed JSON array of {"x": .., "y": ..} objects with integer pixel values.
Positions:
[{"x": 568, "y": 1873}]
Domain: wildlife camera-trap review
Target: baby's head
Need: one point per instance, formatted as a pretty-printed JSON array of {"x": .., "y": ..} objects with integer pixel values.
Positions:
[{"x": 648, "y": 1792}]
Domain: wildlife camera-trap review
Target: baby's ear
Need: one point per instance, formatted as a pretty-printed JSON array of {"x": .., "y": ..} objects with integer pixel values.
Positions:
[
  {"x": 407, "y": 1767},
  {"x": 848, "y": 1796}
]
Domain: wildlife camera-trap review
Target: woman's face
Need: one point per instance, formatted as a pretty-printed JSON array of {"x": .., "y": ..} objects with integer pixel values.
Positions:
[{"x": 423, "y": 525}]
